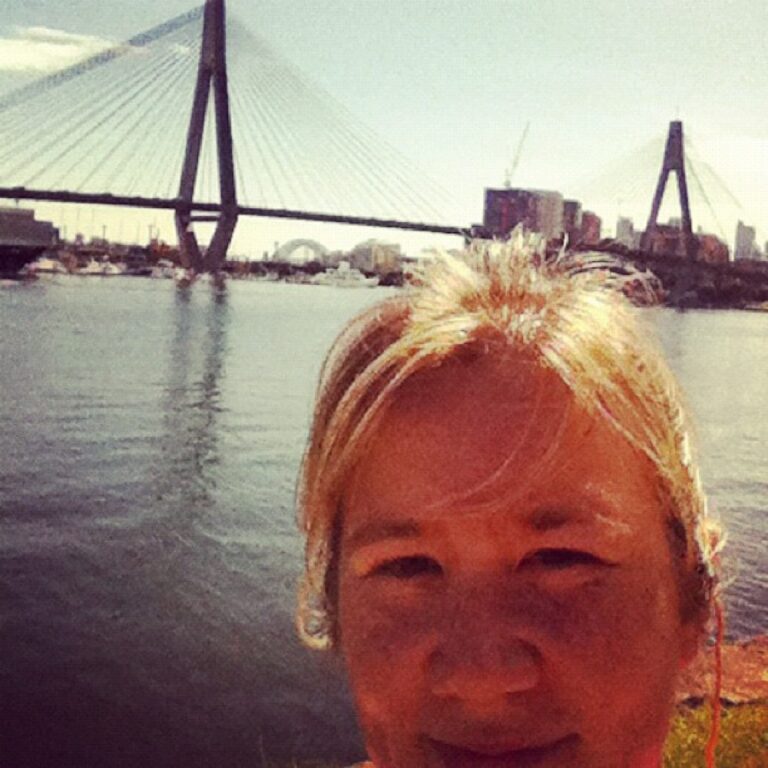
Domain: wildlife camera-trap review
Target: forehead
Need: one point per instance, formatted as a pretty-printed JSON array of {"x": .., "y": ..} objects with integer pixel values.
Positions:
[{"x": 473, "y": 432}]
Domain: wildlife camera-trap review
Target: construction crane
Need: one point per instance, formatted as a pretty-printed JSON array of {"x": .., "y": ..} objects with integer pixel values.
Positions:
[{"x": 510, "y": 172}]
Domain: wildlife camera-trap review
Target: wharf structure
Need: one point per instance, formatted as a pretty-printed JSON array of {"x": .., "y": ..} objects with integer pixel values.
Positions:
[{"x": 23, "y": 238}]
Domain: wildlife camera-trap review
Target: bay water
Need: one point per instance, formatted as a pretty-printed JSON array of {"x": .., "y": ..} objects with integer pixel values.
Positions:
[{"x": 150, "y": 439}]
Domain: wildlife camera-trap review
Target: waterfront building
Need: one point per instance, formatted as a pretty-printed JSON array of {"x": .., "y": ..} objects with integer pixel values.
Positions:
[
  {"x": 507, "y": 208},
  {"x": 536, "y": 210},
  {"x": 711, "y": 249},
  {"x": 591, "y": 225},
  {"x": 625, "y": 233},
  {"x": 375, "y": 256},
  {"x": 744, "y": 246},
  {"x": 19, "y": 226},
  {"x": 667, "y": 239},
  {"x": 572, "y": 220},
  {"x": 23, "y": 238},
  {"x": 549, "y": 214}
]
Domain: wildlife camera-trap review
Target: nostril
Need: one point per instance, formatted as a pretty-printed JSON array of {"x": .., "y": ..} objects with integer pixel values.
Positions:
[{"x": 484, "y": 671}]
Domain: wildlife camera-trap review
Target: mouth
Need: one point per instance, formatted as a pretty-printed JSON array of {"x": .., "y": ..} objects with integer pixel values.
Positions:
[{"x": 505, "y": 755}]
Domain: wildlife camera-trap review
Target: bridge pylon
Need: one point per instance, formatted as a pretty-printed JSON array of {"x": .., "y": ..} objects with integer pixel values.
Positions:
[
  {"x": 211, "y": 75},
  {"x": 674, "y": 160}
]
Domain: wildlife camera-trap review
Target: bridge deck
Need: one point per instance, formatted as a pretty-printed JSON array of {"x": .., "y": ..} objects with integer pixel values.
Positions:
[{"x": 62, "y": 196}]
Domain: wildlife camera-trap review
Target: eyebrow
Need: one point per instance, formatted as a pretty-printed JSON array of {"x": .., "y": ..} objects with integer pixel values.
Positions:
[
  {"x": 542, "y": 520},
  {"x": 378, "y": 531},
  {"x": 552, "y": 518}
]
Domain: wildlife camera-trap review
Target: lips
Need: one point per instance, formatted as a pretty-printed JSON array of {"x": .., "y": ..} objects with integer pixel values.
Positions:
[{"x": 503, "y": 755}]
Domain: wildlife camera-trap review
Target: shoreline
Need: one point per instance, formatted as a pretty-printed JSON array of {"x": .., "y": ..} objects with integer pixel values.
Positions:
[{"x": 745, "y": 675}]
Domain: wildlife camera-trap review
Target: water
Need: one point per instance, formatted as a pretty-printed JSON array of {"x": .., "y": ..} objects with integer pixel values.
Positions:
[{"x": 149, "y": 441}]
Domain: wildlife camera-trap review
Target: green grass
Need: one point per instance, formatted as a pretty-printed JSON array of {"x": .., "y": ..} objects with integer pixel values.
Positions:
[{"x": 743, "y": 739}]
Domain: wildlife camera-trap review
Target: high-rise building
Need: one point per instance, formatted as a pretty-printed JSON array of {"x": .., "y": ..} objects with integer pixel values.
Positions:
[
  {"x": 572, "y": 220},
  {"x": 590, "y": 228},
  {"x": 744, "y": 247},
  {"x": 375, "y": 256},
  {"x": 506, "y": 208},
  {"x": 625, "y": 232},
  {"x": 711, "y": 249},
  {"x": 536, "y": 210},
  {"x": 549, "y": 214}
]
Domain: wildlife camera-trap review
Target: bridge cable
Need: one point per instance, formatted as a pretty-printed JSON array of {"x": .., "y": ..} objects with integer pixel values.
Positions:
[
  {"x": 350, "y": 154},
  {"x": 145, "y": 91},
  {"x": 242, "y": 145},
  {"x": 167, "y": 132},
  {"x": 269, "y": 109},
  {"x": 273, "y": 145},
  {"x": 288, "y": 80},
  {"x": 370, "y": 183},
  {"x": 44, "y": 92},
  {"x": 158, "y": 84},
  {"x": 80, "y": 68},
  {"x": 63, "y": 129},
  {"x": 691, "y": 169},
  {"x": 159, "y": 108},
  {"x": 120, "y": 96}
]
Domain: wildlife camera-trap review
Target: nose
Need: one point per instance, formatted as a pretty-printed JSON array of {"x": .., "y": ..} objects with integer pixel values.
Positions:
[
  {"x": 482, "y": 673},
  {"x": 480, "y": 656}
]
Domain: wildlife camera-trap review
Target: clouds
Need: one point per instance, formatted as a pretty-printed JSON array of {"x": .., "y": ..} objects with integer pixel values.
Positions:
[{"x": 41, "y": 49}]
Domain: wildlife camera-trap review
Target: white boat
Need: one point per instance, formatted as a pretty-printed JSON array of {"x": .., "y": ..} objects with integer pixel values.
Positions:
[
  {"x": 102, "y": 268},
  {"x": 113, "y": 269},
  {"x": 93, "y": 267},
  {"x": 46, "y": 265},
  {"x": 344, "y": 276},
  {"x": 164, "y": 269}
]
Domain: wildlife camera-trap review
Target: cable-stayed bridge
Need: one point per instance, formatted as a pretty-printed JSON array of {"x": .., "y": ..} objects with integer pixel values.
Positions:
[
  {"x": 626, "y": 186},
  {"x": 200, "y": 117}
]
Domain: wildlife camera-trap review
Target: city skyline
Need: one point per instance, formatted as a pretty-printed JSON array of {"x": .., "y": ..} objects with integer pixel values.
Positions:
[{"x": 456, "y": 86}]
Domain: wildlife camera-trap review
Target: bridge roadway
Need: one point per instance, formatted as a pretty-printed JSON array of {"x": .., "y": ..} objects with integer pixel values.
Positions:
[{"x": 60, "y": 196}]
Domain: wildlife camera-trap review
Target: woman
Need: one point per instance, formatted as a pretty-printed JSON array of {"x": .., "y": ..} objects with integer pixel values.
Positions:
[{"x": 506, "y": 534}]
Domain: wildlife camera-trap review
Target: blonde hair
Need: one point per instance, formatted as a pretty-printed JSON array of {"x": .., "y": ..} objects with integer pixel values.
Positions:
[{"x": 569, "y": 313}]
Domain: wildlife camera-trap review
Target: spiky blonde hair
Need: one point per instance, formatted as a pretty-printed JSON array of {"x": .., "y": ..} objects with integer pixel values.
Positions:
[{"x": 569, "y": 313}]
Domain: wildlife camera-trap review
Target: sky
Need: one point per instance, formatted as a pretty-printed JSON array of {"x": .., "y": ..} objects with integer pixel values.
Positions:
[{"x": 452, "y": 84}]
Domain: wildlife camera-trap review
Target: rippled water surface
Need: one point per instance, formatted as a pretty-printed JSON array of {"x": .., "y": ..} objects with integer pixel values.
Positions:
[{"x": 149, "y": 442}]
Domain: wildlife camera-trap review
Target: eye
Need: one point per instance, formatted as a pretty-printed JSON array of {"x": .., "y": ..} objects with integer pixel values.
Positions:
[
  {"x": 559, "y": 559},
  {"x": 408, "y": 567}
]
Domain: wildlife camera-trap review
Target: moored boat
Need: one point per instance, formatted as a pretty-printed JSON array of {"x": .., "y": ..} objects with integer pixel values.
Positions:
[{"x": 344, "y": 276}]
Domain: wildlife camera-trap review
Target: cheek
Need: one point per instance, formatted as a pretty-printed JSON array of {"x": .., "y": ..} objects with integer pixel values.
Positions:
[
  {"x": 384, "y": 637},
  {"x": 622, "y": 631},
  {"x": 384, "y": 643}
]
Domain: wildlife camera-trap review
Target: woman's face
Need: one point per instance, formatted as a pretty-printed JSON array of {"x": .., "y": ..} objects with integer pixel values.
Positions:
[{"x": 507, "y": 595}]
